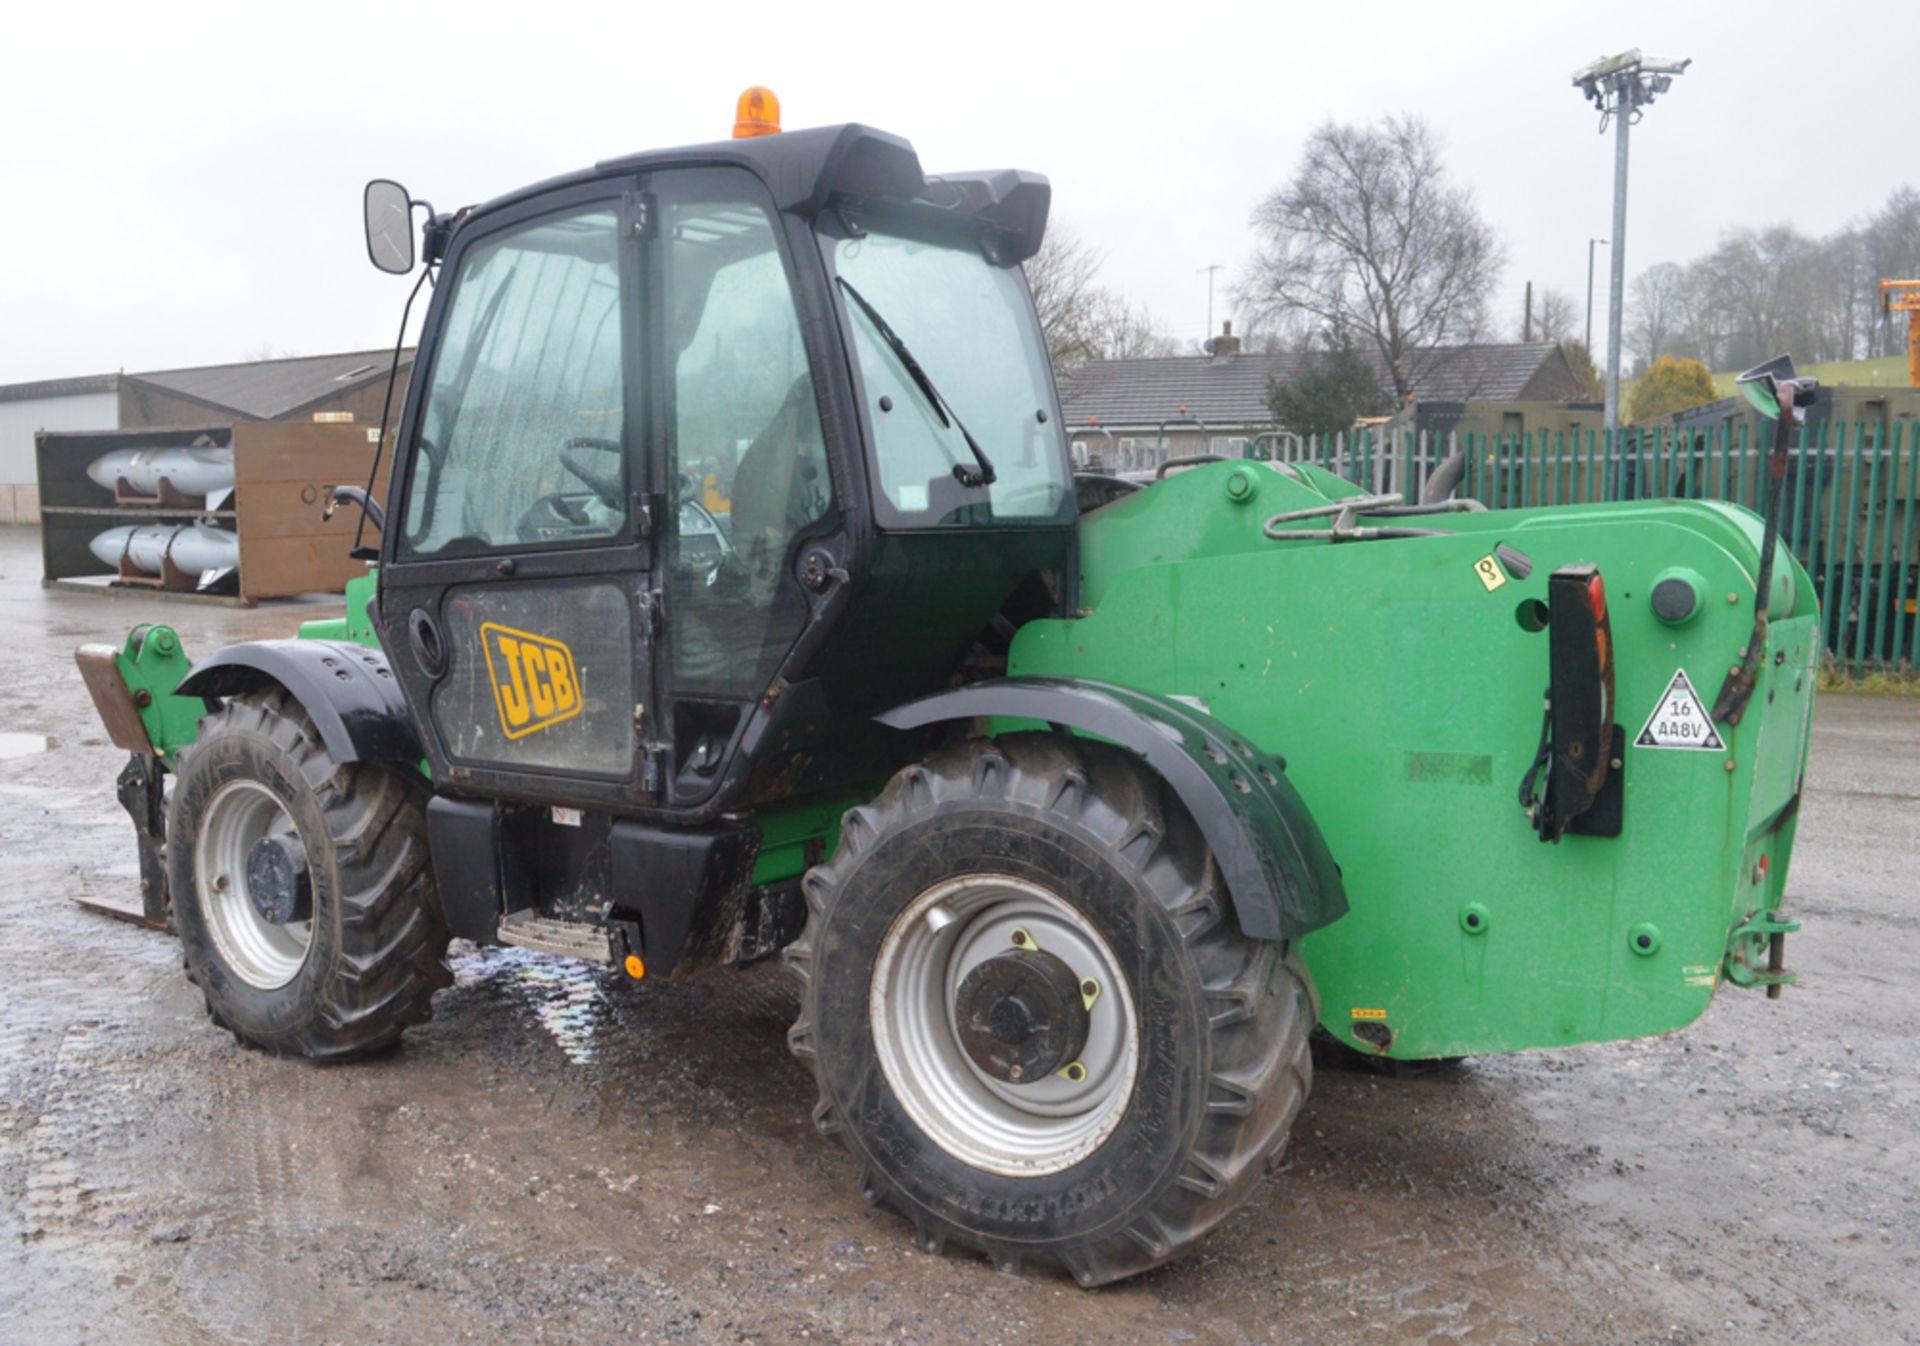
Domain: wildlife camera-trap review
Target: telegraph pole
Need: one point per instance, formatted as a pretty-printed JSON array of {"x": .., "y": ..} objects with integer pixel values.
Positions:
[
  {"x": 1620, "y": 86},
  {"x": 1209, "y": 269},
  {"x": 1590, "y": 244}
]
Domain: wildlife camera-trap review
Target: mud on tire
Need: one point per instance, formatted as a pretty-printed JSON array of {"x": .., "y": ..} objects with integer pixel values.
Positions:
[
  {"x": 376, "y": 947},
  {"x": 1223, "y": 1020}
]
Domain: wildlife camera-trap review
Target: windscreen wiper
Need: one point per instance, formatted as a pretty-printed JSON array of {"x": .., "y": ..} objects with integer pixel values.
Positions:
[{"x": 984, "y": 474}]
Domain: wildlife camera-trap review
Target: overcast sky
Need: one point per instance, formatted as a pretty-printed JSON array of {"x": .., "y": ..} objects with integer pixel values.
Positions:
[{"x": 183, "y": 180}]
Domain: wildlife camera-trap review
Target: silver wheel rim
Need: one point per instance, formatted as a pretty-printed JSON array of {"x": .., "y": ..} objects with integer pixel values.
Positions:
[
  {"x": 1022, "y": 1130},
  {"x": 260, "y": 953}
]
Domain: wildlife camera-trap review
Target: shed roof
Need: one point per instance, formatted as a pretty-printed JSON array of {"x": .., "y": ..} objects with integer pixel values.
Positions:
[
  {"x": 270, "y": 389},
  {"x": 74, "y": 387},
  {"x": 1232, "y": 389}
]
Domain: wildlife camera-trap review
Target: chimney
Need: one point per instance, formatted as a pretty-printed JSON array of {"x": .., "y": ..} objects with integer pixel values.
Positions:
[{"x": 1226, "y": 344}]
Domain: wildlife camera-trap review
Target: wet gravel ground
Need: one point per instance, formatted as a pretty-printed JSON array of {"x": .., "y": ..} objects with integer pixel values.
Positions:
[{"x": 565, "y": 1157}]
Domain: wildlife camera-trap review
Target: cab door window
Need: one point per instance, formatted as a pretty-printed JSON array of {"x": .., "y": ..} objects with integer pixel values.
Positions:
[
  {"x": 749, "y": 465},
  {"x": 523, "y": 433}
]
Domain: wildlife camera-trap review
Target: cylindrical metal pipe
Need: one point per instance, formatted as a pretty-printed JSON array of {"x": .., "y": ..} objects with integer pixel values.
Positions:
[{"x": 1623, "y": 119}]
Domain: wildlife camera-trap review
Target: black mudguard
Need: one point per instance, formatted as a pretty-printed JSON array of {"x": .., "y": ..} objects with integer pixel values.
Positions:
[
  {"x": 1281, "y": 876},
  {"x": 346, "y": 688}
]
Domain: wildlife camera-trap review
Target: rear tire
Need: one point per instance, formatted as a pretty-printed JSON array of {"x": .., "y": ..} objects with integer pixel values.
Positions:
[
  {"x": 365, "y": 964},
  {"x": 1090, "y": 853}
]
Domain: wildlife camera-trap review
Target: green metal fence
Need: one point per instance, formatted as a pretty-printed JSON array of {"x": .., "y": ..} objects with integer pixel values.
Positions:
[{"x": 1849, "y": 507}]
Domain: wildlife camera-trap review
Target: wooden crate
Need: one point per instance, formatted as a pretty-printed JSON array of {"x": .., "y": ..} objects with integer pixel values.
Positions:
[{"x": 283, "y": 471}]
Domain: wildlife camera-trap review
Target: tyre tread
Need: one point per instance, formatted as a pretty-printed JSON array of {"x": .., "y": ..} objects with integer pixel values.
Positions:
[
  {"x": 1256, "y": 993},
  {"x": 393, "y": 939}
]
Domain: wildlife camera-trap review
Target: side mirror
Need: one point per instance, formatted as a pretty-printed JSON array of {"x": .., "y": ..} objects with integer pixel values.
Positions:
[
  {"x": 1772, "y": 385},
  {"x": 389, "y": 219}
]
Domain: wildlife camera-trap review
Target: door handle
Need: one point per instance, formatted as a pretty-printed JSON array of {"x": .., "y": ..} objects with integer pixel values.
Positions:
[{"x": 423, "y": 637}]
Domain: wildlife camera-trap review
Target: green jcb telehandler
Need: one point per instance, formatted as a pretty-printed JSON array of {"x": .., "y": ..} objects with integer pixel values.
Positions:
[{"x": 733, "y": 597}]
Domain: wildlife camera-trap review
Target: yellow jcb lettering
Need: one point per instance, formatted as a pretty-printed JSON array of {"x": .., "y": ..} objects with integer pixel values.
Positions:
[
  {"x": 513, "y": 692},
  {"x": 535, "y": 660}
]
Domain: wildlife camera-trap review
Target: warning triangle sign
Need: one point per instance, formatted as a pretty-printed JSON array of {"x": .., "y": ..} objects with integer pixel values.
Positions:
[{"x": 1680, "y": 720}]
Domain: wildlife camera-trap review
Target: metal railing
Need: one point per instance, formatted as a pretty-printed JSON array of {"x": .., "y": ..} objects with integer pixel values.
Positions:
[{"x": 1848, "y": 507}]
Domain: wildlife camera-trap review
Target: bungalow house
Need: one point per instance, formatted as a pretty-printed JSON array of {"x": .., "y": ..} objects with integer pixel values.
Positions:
[{"x": 1139, "y": 411}]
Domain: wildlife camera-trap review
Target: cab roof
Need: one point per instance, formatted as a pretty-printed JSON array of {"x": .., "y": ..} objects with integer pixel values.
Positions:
[{"x": 808, "y": 170}]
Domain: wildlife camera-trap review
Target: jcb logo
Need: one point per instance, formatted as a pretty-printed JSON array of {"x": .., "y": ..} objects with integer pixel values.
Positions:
[{"x": 535, "y": 684}]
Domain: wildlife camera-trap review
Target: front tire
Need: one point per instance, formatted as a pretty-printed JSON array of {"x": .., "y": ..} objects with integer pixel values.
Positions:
[
  {"x": 944, "y": 942},
  {"x": 357, "y": 946}
]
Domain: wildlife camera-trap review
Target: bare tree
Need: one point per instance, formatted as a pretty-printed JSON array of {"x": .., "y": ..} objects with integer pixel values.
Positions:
[
  {"x": 1083, "y": 320},
  {"x": 1763, "y": 291},
  {"x": 1061, "y": 275},
  {"x": 1556, "y": 317},
  {"x": 1657, "y": 312},
  {"x": 1122, "y": 332},
  {"x": 1891, "y": 250},
  {"x": 1369, "y": 237}
]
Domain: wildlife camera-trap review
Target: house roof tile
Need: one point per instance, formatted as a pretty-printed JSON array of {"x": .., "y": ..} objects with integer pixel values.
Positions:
[{"x": 1232, "y": 390}]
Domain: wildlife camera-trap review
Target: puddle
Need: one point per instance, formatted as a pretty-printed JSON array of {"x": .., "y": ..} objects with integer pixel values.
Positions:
[
  {"x": 564, "y": 995},
  {"x": 22, "y": 745}
]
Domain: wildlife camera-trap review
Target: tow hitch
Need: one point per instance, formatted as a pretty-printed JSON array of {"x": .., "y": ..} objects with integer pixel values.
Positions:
[{"x": 1756, "y": 952}]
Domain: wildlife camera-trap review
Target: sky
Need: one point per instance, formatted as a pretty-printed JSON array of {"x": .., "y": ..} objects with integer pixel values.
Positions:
[{"x": 183, "y": 180}]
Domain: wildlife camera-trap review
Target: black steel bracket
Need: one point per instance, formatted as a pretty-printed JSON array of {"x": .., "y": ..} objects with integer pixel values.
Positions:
[{"x": 142, "y": 791}]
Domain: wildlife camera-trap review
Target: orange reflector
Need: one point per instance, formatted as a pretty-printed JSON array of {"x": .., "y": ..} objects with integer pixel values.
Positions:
[
  {"x": 757, "y": 113},
  {"x": 635, "y": 968}
]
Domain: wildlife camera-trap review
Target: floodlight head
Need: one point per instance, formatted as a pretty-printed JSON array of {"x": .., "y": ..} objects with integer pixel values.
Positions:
[{"x": 1607, "y": 65}]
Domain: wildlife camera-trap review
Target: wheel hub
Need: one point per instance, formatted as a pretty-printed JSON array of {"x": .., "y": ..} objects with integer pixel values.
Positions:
[
  {"x": 982, "y": 973},
  {"x": 278, "y": 884},
  {"x": 249, "y": 868},
  {"x": 1020, "y": 1016}
]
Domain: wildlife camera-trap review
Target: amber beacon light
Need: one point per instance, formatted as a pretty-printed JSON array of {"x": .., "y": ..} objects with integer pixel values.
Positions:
[{"x": 757, "y": 113}]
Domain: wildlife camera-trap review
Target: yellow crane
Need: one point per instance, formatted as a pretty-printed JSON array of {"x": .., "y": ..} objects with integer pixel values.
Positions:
[{"x": 1903, "y": 296}]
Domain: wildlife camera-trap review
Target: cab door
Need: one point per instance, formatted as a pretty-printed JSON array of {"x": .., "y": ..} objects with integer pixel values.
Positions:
[
  {"x": 744, "y": 462},
  {"x": 515, "y": 580}
]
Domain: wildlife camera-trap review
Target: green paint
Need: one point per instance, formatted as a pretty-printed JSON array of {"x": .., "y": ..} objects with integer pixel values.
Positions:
[
  {"x": 152, "y": 663},
  {"x": 1405, "y": 697},
  {"x": 788, "y": 835},
  {"x": 1461, "y": 768},
  {"x": 357, "y": 625}
]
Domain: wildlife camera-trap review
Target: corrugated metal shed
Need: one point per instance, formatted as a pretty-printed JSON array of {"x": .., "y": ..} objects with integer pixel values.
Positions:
[
  {"x": 1231, "y": 390},
  {"x": 83, "y": 386}
]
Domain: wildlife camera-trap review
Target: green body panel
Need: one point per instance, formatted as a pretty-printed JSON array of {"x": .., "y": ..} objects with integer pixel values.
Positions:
[
  {"x": 357, "y": 625},
  {"x": 1406, "y": 697},
  {"x": 793, "y": 840},
  {"x": 152, "y": 663}
]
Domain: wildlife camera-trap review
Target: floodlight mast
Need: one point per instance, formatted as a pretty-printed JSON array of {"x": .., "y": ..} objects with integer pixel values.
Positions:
[{"x": 1620, "y": 86}]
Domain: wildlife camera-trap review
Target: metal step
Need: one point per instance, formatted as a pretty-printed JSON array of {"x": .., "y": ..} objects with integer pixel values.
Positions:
[{"x": 568, "y": 939}]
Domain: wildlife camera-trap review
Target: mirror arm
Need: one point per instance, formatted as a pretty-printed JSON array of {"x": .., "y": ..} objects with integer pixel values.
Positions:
[{"x": 1737, "y": 690}]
